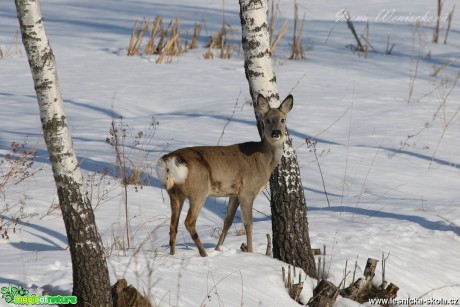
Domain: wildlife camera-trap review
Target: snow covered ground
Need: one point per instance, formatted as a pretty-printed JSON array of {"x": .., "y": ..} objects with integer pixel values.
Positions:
[{"x": 387, "y": 193}]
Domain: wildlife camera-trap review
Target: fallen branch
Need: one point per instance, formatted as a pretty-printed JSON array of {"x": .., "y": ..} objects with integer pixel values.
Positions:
[{"x": 350, "y": 25}]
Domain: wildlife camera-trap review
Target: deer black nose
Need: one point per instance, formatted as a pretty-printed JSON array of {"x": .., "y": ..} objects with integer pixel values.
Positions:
[{"x": 276, "y": 134}]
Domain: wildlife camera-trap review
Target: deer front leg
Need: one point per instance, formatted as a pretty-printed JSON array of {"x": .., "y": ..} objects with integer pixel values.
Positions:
[
  {"x": 177, "y": 202},
  {"x": 246, "y": 212},
  {"x": 190, "y": 221},
  {"x": 233, "y": 204}
]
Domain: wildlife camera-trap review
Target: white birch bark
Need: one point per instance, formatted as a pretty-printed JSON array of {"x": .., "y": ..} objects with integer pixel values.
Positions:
[
  {"x": 291, "y": 240},
  {"x": 90, "y": 273},
  {"x": 256, "y": 45}
]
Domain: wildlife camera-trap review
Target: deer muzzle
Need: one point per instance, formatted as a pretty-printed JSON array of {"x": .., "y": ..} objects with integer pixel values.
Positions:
[{"x": 276, "y": 134}]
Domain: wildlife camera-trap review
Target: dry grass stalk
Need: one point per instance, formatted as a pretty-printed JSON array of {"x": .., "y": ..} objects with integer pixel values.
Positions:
[
  {"x": 389, "y": 49},
  {"x": 294, "y": 290},
  {"x": 366, "y": 47},
  {"x": 16, "y": 166},
  {"x": 167, "y": 43},
  {"x": 297, "y": 49},
  {"x": 209, "y": 54},
  {"x": 136, "y": 177},
  {"x": 136, "y": 37},
  {"x": 156, "y": 27},
  {"x": 225, "y": 49},
  {"x": 438, "y": 20},
  {"x": 449, "y": 20},
  {"x": 273, "y": 12},
  {"x": 196, "y": 35},
  {"x": 130, "y": 158},
  {"x": 219, "y": 40},
  {"x": 414, "y": 68},
  {"x": 273, "y": 16},
  {"x": 174, "y": 47},
  {"x": 161, "y": 41},
  {"x": 447, "y": 118},
  {"x": 281, "y": 33},
  {"x": 7, "y": 52},
  {"x": 169, "y": 49},
  {"x": 212, "y": 44},
  {"x": 442, "y": 67}
]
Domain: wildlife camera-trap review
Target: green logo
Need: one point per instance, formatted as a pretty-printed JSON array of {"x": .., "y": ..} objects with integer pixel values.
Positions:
[
  {"x": 8, "y": 293},
  {"x": 18, "y": 295}
]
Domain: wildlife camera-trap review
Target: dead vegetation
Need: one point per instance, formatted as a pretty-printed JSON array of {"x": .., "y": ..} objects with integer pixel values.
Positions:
[
  {"x": 11, "y": 50},
  {"x": 162, "y": 40},
  {"x": 297, "y": 51},
  {"x": 363, "y": 42},
  {"x": 325, "y": 293},
  {"x": 131, "y": 158},
  {"x": 362, "y": 290},
  {"x": 220, "y": 41},
  {"x": 16, "y": 166},
  {"x": 273, "y": 12},
  {"x": 167, "y": 40}
]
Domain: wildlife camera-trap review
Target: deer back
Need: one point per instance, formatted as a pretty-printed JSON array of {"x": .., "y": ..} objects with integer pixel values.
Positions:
[{"x": 227, "y": 170}]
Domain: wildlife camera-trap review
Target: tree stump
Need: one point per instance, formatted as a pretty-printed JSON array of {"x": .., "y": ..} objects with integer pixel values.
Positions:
[
  {"x": 362, "y": 290},
  {"x": 324, "y": 295},
  {"x": 369, "y": 270},
  {"x": 127, "y": 296},
  {"x": 389, "y": 293}
]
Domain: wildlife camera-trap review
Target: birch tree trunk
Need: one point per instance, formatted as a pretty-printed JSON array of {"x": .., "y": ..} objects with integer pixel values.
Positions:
[
  {"x": 91, "y": 283},
  {"x": 291, "y": 240}
]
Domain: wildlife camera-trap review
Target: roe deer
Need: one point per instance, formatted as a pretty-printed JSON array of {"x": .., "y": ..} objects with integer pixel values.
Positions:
[{"x": 238, "y": 171}]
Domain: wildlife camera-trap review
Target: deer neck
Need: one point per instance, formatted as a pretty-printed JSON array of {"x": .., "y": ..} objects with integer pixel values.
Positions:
[{"x": 272, "y": 151}]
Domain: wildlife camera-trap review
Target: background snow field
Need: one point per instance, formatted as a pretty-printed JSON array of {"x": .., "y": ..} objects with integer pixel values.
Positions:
[{"x": 391, "y": 168}]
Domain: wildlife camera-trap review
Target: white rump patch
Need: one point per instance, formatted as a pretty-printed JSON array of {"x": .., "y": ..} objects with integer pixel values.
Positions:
[
  {"x": 171, "y": 171},
  {"x": 161, "y": 171}
]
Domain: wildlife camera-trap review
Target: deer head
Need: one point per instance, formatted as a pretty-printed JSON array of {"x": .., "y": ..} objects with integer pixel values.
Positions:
[{"x": 274, "y": 119}]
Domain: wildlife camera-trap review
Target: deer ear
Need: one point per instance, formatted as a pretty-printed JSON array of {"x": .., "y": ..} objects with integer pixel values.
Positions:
[
  {"x": 262, "y": 104},
  {"x": 287, "y": 104}
]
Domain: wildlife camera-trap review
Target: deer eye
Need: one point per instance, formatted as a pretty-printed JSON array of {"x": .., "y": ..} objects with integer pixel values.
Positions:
[{"x": 283, "y": 120}]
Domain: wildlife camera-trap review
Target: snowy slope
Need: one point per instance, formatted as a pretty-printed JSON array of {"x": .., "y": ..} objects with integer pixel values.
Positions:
[{"x": 384, "y": 195}]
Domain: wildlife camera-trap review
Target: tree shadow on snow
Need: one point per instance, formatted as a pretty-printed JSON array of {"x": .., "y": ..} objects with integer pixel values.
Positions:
[
  {"x": 42, "y": 233},
  {"x": 423, "y": 222},
  {"x": 52, "y": 290}
]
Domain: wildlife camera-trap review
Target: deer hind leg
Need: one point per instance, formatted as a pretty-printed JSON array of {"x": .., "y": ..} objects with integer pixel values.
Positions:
[
  {"x": 177, "y": 202},
  {"x": 196, "y": 203},
  {"x": 233, "y": 204},
  {"x": 246, "y": 213}
]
